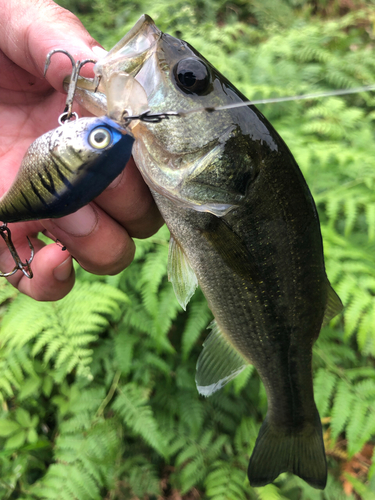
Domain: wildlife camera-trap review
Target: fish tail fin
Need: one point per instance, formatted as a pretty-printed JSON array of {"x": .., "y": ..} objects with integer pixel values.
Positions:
[{"x": 300, "y": 452}]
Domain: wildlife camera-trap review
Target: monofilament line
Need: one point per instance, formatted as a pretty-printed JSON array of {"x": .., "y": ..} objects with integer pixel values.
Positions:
[
  {"x": 148, "y": 116},
  {"x": 317, "y": 95}
]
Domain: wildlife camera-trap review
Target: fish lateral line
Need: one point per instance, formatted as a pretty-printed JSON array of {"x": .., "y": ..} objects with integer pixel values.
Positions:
[{"x": 149, "y": 117}]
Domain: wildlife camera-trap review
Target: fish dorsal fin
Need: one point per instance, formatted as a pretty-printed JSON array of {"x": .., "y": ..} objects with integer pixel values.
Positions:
[
  {"x": 218, "y": 363},
  {"x": 180, "y": 274},
  {"x": 334, "y": 305}
]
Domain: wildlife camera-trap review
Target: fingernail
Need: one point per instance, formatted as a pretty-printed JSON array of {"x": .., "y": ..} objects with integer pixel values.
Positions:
[
  {"x": 63, "y": 271},
  {"x": 99, "y": 51},
  {"x": 81, "y": 223}
]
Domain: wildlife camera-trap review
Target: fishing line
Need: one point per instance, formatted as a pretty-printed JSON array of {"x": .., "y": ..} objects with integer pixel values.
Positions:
[
  {"x": 316, "y": 95},
  {"x": 149, "y": 117}
]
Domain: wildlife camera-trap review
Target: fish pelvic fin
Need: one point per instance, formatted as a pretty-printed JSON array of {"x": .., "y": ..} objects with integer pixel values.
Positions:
[
  {"x": 300, "y": 452},
  {"x": 180, "y": 274}
]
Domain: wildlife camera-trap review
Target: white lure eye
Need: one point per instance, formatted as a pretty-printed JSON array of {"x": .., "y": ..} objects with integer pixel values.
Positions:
[{"x": 100, "y": 138}]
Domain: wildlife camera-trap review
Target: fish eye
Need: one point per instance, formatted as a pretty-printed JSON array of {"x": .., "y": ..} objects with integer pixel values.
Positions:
[
  {"x": 100, "y": 138},
  {"x": 192, "y": 76}
]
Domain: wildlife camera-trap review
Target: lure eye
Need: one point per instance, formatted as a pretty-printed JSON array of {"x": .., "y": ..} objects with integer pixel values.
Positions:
[
  {"x": 100, "y": 138},
  {"x": 192, "y": 76}
]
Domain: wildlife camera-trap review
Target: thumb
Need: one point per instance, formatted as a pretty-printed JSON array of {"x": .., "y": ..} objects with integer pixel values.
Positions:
[{"x": 31, "y": 29}]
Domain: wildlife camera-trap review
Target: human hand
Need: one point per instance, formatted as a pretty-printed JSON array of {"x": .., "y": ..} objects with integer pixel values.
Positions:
[{"x": 99, "y": 234}]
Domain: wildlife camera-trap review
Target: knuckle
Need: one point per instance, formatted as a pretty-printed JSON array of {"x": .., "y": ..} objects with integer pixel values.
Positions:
[
  {"x": 139, "y": 211},
  {"x": 146, "y": 227},
  {"x": 109, "y": 261}
]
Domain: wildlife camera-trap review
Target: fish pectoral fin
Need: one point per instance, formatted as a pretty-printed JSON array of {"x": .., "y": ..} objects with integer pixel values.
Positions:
[
  {"x": 180, "y": 274},
  {"x": 218, "y": 363},
  {"x": 232, "y": 250},
  {"x": 201, "y": 188},
  {"x": 333, "y": 306},
  {"x": 211, "y": 187}
]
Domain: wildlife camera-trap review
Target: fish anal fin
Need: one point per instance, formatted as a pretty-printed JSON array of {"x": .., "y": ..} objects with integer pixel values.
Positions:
[
  {"x": 300, "y": 452},
  {"x": 180, "y": 274},
  {"x": 333, "y": 306},
  {"x": 218, "y": 363}
]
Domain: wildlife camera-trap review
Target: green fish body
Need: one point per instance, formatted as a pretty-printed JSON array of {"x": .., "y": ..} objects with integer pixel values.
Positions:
[{"x": 244, "y": 226}]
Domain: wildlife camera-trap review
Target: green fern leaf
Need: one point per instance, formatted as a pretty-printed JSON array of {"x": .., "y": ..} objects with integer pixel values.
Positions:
[
  {"x": 324, "y": 385},
  {"x": 342, "y": 408},
  {"x": 354, "y": 430},
  {"x": 198, "y": 319},
  {"x": 269, "y": 492},
  {"x": 225, "y": 482},
  {"x": 131, "y": 404}
]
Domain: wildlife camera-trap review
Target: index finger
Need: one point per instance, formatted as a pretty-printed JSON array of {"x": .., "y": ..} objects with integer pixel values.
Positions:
[{"x": 30, "y": 30}]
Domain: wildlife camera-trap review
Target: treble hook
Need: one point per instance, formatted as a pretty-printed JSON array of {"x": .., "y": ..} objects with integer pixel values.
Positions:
[
  {"x": 76, "y": 68},
  {"x": 22, "y": 266}
]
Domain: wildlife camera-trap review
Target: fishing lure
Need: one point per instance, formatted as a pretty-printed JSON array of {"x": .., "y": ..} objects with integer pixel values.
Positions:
[{"x": 64, "y": 169}]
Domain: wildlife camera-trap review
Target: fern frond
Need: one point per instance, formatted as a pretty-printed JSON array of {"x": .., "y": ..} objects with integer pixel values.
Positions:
[
  {"x": 154, "y": 269},
  {"x": 245, "y": 437},
  {"x": 270, "y": 492},
  {"x": 324, "y": 385},
  {"x": 141, "y": 477},
  {"x": 132, "y": 405},
  {"x": 225, "y": 482},
  {"x": 123, "y": 354},
  {"x": 198, "y": 319},
  {"x": 63, "y": 331},
  {"x": 342, "y": 409}
]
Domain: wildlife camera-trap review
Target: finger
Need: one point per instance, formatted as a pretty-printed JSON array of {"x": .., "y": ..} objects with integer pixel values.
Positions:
[
  {"x": 128, "y": 200},
  {"x": 29, "y": 30},
  {"x": 53, "y": 275},
  {"x": 96, "y": 241},
  {"x": 52, "y": 268}
]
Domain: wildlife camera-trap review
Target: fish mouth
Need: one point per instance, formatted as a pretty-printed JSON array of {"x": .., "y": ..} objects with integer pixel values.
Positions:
[
  {"x": 130, "y": 53},
  {"x": 123, "y": 61}
]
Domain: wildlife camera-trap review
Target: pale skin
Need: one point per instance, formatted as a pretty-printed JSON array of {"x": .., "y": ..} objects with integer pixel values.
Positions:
[{"x": 99, "y": 236}]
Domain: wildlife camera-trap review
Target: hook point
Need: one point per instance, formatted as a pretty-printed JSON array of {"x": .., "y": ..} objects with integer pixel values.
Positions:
[{"x": 22, "y": 266}]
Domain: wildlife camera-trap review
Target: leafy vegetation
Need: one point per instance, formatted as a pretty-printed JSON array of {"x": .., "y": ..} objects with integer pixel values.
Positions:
[{"x": 97, "y": 391}]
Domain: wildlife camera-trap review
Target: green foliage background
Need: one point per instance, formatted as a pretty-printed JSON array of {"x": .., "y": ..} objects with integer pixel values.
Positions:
[{"x": 97, "y": 391}]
